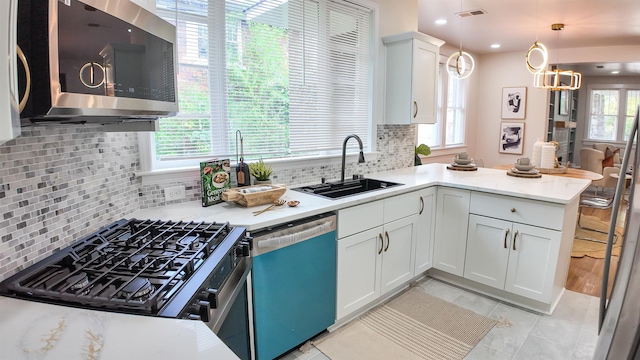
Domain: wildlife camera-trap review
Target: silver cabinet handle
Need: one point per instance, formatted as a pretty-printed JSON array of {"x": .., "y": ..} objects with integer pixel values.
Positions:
[
  {"x": 506, "y": 233},
  {"x": 515, "y": 235},
  {"x": 415, "y": 111},
  {"x": 381, "y": 244},
  {"x": 386, "y": 234},
  {"x": 421, "y": 205}
]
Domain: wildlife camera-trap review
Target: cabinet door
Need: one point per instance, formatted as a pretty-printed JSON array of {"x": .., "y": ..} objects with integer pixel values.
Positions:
[
  {"x": 358, "y": 279},
  {"x": 452, "y": 218},
  {"x": 425, "y": 230},
  {"x": 397, "y": 256},
  {"x": 532, "y": 262},
  {"x": 424, "y": 83},
  {"x": 488, "y": 244}
]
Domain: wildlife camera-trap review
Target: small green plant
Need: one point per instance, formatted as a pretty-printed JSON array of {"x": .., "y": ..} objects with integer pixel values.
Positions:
[
  {"x": 261, "y": 171},
  {"x": 421, "y": 149}
]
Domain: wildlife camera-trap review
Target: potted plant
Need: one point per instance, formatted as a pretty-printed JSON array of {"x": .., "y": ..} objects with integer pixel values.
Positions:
[
  {"x": 261, "y": 172},
  {"x": 421, "y": 149}
]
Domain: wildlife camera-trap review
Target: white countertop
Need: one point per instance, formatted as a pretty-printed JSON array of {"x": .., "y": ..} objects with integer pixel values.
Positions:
[
  {"x": 555, "y": 189},
  {"x": 32, "y": 330}
]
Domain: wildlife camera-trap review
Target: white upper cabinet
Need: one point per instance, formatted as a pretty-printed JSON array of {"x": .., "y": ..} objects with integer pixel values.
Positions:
[
  {"x": 9, "y": 115},
  {"x": 150, "y": 5},
  {"x": 411, "y": 86}
]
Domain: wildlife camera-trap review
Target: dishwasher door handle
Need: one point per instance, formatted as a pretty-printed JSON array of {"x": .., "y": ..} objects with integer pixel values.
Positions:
[{"x": 294, "y": 237}]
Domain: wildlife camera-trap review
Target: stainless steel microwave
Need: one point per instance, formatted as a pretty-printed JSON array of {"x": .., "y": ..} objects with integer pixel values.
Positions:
[{"x": 96, "y": 61}]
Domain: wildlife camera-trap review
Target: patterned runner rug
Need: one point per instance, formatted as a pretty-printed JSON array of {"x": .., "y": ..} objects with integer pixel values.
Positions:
[{"x": 415, "y": 325}]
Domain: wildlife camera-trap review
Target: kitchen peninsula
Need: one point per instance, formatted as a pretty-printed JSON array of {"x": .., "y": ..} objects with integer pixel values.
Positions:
[{"x": 541, "y": 211}]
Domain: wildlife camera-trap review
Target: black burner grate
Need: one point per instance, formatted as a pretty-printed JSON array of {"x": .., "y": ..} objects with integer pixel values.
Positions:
[{"x": 130, "y": 265}]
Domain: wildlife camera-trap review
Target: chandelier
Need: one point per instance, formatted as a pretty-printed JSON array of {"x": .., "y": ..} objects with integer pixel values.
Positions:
[{"x": 557, "y": 79}]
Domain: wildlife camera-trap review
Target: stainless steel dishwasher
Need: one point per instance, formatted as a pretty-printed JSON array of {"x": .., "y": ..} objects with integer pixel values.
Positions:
[{"x": 294, "y": 283}]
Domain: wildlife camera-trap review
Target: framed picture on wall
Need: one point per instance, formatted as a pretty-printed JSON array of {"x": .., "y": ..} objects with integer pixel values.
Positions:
[
  {"x": 511, "y": 137},
  {"x": 514, "y": 102}
]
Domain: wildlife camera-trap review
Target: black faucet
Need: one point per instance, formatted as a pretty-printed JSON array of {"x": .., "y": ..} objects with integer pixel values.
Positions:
[{"x": 344, "y": 153}]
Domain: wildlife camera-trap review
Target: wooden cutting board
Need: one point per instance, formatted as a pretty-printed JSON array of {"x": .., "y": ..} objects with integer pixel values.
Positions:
[{"x": 245, "y": 197}]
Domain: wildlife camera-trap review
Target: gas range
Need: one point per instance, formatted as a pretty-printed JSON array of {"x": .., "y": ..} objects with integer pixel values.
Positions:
[{"x": 146, "y": 267}]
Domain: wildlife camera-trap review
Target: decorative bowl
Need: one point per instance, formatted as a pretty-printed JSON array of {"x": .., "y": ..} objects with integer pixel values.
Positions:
[
  {"x": 293, "y": 203},
  {"x": 524, "y": 167}
]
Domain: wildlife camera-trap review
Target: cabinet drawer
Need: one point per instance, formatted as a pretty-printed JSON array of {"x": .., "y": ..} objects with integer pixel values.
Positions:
[
  {"x": 360, "y": 218},
  {"x": 400, "y": 206},
  {"x": 524, "y": 211}
]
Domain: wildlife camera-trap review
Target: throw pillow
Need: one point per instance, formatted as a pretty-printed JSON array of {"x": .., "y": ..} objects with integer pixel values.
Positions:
[
  {"x": 607, "y": 162},
  {"x": 613, "y": 152}
]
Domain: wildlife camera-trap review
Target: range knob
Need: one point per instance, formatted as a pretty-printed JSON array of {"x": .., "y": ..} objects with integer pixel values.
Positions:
[
  {"x": 243, "y": 248},
  {"x": 203, "y": 309},
  {"x": 212, "y": 297}
]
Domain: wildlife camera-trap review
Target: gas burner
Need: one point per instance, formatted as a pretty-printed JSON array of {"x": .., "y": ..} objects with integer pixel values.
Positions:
[
  {"x": 137, "y": 288},
  {"x": 190, "y": 242},
  {"x": 77, "y": 281}
]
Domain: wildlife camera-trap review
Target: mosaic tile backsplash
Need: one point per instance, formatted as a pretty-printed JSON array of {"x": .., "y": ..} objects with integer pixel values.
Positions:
[{"x": 58, "y": 184}]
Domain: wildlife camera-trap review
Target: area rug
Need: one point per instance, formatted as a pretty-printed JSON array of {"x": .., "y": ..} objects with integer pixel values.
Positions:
[
  {"x": 582, "y": 248},
  {"x": 415, "y": 325}
]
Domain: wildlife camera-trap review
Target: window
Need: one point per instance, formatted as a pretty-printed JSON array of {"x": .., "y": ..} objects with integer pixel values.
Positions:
[
  {"x": 451, "y": 91},
  {"x": 611, "y": 112},
  {"x": 293, "y": 76}
]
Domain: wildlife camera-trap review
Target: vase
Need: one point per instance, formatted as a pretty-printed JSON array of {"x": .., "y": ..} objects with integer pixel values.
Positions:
[{"x": 262, "y": 182}]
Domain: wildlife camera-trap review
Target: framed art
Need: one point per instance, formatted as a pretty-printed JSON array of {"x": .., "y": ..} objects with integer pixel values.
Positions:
[
  {"x": 563, "y": 103},
  {"x": 511, "y": 137},
  {"x": 514, "y": 102}
]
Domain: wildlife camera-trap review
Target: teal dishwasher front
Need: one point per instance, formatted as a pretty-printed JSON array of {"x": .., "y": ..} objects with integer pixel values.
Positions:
[{"x": 294, "y": 284}]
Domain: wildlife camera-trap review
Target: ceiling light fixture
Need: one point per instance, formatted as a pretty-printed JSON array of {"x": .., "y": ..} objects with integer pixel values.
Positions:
[
  {"x": 537, "y": 49},
  {"x": 458, "y": 61},
  {"x": 495, "y": 46},
  {"x": 557, "y": 79},
  {"x": 441, "y": 21}
]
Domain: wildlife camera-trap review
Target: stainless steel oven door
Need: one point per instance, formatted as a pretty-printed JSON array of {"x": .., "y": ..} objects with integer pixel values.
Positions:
[{"x": 231, "y": 319}]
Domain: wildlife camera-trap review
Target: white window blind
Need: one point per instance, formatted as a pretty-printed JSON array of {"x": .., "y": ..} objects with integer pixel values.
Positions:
[{"x": 293, "y": 76}]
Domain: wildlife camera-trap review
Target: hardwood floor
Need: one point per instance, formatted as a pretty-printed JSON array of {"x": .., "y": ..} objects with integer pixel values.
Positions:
[{"x": 585, "y": 274}]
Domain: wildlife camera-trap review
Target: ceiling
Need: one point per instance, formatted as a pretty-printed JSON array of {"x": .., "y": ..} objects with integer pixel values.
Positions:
[{"x": 515, "y": 25}]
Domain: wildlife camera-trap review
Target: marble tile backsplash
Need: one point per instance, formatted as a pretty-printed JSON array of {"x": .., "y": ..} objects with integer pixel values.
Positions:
[{"x": 58, "y": 184}]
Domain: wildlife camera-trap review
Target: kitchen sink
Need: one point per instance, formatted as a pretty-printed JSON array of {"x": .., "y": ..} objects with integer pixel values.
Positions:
[{"x": 337, "y": 190}]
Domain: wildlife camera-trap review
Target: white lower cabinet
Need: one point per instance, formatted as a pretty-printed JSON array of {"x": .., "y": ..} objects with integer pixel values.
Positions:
[
  {"x": 425, "y": 229},
  {"x": 377, "y": 260},
  {"x": 450, "y": 243},
  {"x": 510, "y": 256}
]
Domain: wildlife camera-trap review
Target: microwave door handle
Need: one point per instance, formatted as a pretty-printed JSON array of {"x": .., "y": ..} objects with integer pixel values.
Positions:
[{"x": 23, "y": 59}]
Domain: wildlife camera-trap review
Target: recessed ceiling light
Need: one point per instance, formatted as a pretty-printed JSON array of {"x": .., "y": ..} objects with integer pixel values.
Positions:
[
  {"x": 615, "y": 72},
  {"x": 495, "y": 46},
  {"x": 441, "y": 21}
]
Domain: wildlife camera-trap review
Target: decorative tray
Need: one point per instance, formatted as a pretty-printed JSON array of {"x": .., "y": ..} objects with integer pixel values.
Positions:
[{"x": 255, "y": 195}]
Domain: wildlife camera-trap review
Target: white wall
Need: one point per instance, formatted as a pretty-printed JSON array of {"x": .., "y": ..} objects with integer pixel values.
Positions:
[{"x": 495, "y": 72}]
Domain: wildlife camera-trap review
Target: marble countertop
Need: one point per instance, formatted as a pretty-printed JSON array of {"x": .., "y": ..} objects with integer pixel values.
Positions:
[
  {"x": 32, "y": 330},
  {"x": 550, "y": 188}
]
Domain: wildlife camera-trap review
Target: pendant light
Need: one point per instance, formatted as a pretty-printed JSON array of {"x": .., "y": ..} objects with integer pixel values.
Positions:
[
  {"x": 539, "y": 49},
  {"x": 557, "y": 79},
  {"x": 460, "y": 64}
]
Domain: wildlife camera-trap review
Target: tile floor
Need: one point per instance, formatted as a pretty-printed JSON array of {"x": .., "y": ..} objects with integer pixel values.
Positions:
[{"x": 569, "y": 334}]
